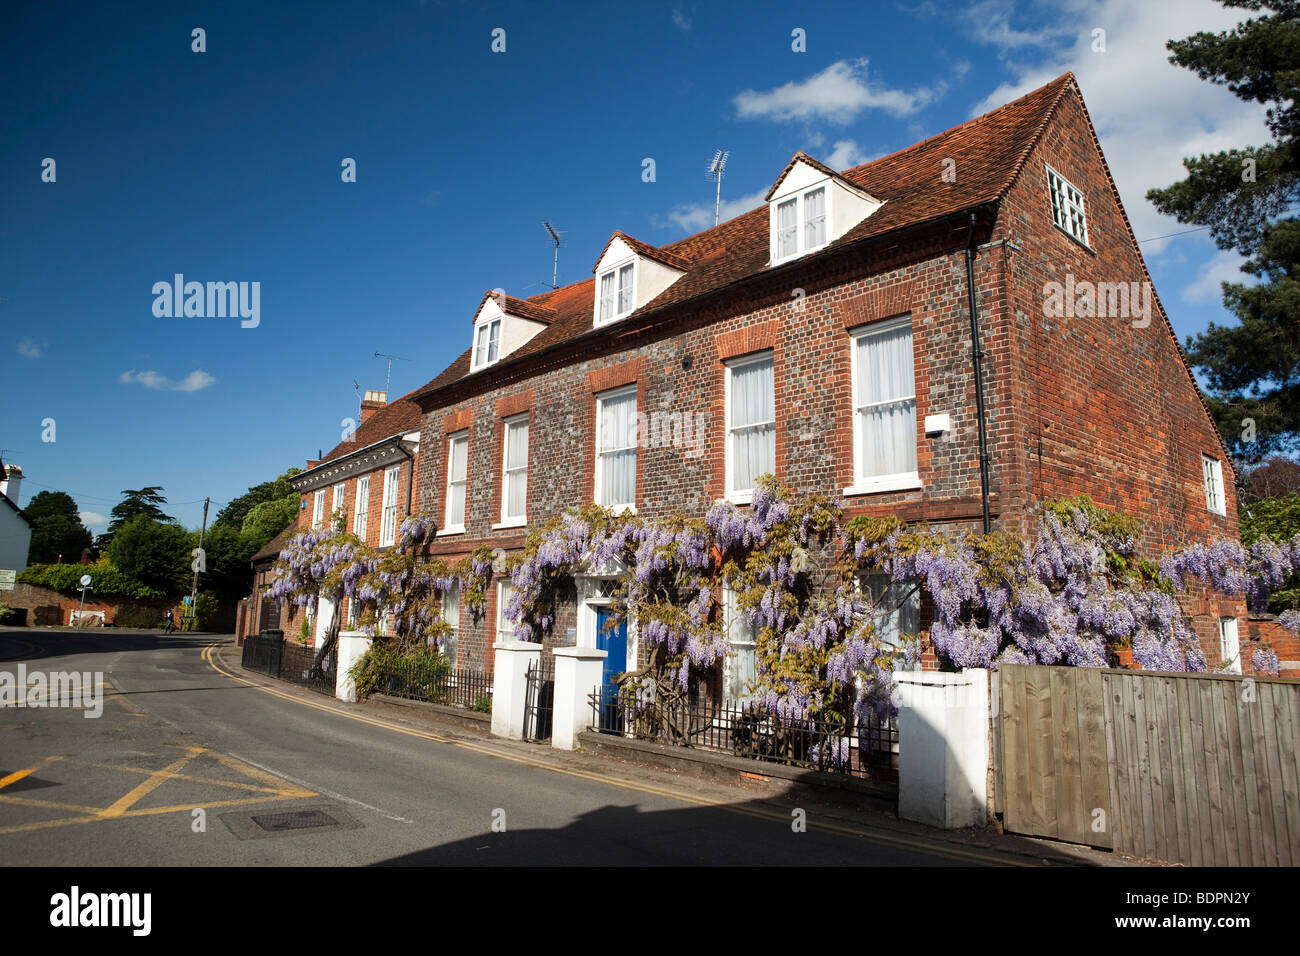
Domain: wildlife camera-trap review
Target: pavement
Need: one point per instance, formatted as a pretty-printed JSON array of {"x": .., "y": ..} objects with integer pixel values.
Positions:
[{"x": 193, "y": 761}]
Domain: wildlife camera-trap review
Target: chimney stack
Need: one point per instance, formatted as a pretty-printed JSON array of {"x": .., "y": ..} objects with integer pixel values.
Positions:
[
  {"x": 372, "y": 402},
  {"x": 11, "y": 483}
]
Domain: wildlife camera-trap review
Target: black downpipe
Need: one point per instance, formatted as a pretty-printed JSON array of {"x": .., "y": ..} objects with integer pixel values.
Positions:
[{"x": 977, "y": 354}]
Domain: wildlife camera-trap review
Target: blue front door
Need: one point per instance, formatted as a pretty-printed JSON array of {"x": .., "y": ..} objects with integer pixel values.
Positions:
[{"x": 613, "y": 640}]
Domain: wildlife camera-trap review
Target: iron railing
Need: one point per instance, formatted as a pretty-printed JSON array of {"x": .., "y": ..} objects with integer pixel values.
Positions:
[
  {"x": 435, "y": 684},
  {"x": 539, "y": 699},
  {"x": 866, "y": 748},
  {"x": 268, "y": 654}
]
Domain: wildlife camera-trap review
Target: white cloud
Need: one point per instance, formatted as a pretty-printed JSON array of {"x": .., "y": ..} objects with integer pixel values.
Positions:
[
  {"x": 692, "y": 217},
  {"x": 93, "y": 520},
  {"x": 846, "y": 153},
  {"x": 837, "y": 94},
  {"x": 32, "y": 348},
  {"x": 680, "y": 20},
  {"x": 196, "y": 380},
  {"x": 1224, "y": 267},
  {"x": 1149, "y": 114}
]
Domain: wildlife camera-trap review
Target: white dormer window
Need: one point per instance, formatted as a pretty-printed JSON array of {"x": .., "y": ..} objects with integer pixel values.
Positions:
[
  {"x": 487, "y": 343},
  {"x": 617, "y": 291},
  {"x": 801, "y": 224},
  {"x": 811, "y": 206}
]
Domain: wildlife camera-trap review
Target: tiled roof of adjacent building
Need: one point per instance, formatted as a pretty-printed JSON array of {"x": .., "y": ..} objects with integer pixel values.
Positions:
[{"x": 396, "y": 418}]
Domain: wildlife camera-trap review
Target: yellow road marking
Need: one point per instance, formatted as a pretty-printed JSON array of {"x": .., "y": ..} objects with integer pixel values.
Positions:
[
  {"x": 145, "y": 787},
  {"x": 97, "y": 816},
  {"x": 233, "y": 784},
  {"x": 209, "y": 655},
  {"x": 122, "y": 698},
  {"x": 52, "y": 804},
  {"x": 19, "y": 774}
]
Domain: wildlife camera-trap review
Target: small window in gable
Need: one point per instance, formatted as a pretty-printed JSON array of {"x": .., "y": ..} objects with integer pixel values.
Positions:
[
  {"x": 801, "y": 224},
  {"x": 487, "y": 343},
  {"x": 1067, "y": 206},
  {"x": 617, "y": 293},
  {"x": 1212, "y": 471}
]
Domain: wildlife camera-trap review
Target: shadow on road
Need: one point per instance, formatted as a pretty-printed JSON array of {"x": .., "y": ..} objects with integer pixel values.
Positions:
[{"x": 29, "y": 644}]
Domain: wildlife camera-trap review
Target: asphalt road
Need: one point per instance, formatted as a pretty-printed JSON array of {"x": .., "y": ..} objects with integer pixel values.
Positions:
[{"x": 188, "y": 751}]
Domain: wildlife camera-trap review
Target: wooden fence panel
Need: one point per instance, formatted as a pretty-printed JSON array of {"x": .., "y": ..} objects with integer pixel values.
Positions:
[{"x": 1192, "y": 768}]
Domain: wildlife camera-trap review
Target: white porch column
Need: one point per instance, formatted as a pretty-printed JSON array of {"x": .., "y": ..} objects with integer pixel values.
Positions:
[
  {"x": 352, "y": 646},
  {"x": 943, "y": 747},
  {"x": 509, "y": 682},
  {"x": 578, "y": 671}
]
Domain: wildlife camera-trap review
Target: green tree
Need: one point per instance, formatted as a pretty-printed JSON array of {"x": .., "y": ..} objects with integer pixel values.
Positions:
[
  {"x": 141, "y": 502},
  {"x": 56, "y": 528},
  {"x": 1243, "y": 195},
  {"x": 235, "y": 514},
  {"x": 155, "y": 553}
]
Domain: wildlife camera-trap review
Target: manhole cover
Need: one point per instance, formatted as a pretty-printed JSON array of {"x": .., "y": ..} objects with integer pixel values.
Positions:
[
  {"x": 276, "y": 822},
  {"x": 294, "y": 820}
]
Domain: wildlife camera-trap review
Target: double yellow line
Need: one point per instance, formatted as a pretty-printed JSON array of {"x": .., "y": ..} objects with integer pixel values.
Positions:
[{"x": 957, "y": 853}]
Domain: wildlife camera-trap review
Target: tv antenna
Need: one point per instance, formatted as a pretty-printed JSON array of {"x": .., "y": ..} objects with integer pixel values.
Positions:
[
  {"x": 389, "y": 377},
  {"x": 556, "y": 238},
  {"x": 716, "y": 165}
]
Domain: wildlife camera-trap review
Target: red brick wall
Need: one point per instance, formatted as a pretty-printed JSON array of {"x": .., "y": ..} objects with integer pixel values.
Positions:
[{"x": 1101, "y": 407}]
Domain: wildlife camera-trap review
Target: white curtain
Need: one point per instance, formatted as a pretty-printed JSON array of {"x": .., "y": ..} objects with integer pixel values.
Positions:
[
  {"x": 740, "y": 670},
  {"x": 451, "y": 614},
  {"x": 456, "y": 482},
  {"x": 362, "y": 505},
  {"x": 893, "y": 616},
  {"x": 618, "y": 450},
  {"x": 606, "y": 295},
  {"x": 480, "y": 348},
  {"x": 886, "y": 387},
  {"x": 753, "y": 427},
  {"x": 517, "y": 469},
  {"x": 786, "y": 229},
  {"x": 625, "y": 289},
  {"x": 494, "y": 340},
  {"x": 814, "y": 214}
]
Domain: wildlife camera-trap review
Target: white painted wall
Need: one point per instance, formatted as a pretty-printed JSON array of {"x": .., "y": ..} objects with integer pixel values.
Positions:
[
  {"x": 16, "y": 540},
  {"x": 509, "y": 685},
  {"x": 943, "y": 744},
  {"x": 352, "y": 647}
]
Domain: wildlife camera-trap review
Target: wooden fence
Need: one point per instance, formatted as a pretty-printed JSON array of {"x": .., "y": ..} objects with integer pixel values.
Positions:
[{"x": 1192, "y": 768}]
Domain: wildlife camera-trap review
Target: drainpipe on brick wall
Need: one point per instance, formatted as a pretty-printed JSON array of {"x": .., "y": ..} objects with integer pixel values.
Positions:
[
  {"x": 977, "y": 355},
  {"x": 410, "y": 482}
]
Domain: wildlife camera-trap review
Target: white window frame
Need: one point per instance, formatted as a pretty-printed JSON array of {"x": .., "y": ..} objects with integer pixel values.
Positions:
[
  {"x": 478, "y": 361},
  {"x": 743, "y": 496},
  {"x": 616, "y": 269},
  {"x": 504, "y": 627},
  {"x": 451, "y": 527},
  {"x": 1230, "y": 645},
  {"x": 388, "y": 515},
  {"x": 735, "y": 621},
  {"x": 318, "y": 510},
  {"x": 340, "y": 490},
  {"x": 452, "y": 617},
  {"x": 900, "y": 481},
  {"x": 801, "y": 221},
  {"x": 353, "y": 614},
  {"x": 1066, "y": 205},
  {"x": 362, "y": 505},
  {"x": 864, "y": 589},
  {"x": 603, "y": 397},
  {"x": 1212, "y": 475},
  {"x": 508, "y": 520}
]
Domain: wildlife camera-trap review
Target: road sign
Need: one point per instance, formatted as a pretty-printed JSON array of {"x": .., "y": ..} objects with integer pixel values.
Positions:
[
  {"x": 85, "y": 580},
  {"x": 7, "y": 579}
]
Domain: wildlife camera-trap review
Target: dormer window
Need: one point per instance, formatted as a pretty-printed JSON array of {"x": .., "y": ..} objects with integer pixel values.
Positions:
[
  {"x": 630, "y": 275},
  {"x": 801, "y": 224},
  {"x": 812, "y": 206},
  {"x": 487, "y": 343},
  {"x": 617, "y": 293}
]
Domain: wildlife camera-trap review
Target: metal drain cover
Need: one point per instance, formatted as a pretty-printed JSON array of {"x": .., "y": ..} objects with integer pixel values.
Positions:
[
  {"x": 284, "y": 822},
  {"x": 294, "y": 820}
]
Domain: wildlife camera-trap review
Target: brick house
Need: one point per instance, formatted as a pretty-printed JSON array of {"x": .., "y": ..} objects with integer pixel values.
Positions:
[
  {"x": 368, "y": 480},
  {"x": 828, "y": 336}
]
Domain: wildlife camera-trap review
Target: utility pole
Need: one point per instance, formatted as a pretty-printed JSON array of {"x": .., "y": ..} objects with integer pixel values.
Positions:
[{"x": 201, "y": 559}]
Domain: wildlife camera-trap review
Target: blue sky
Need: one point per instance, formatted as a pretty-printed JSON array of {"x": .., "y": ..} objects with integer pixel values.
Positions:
[{"x": 225, "y": 166}]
